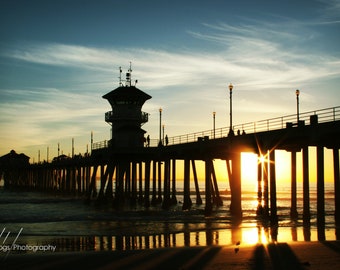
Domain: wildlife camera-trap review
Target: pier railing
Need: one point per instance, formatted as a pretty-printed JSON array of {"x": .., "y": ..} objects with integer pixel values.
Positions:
[
  {"x": 99, "y": 145},
  {"x": 306, "y": 118}
]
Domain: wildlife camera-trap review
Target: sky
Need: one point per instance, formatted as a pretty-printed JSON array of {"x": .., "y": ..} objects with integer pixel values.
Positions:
[{"x": 58, "y": 58}]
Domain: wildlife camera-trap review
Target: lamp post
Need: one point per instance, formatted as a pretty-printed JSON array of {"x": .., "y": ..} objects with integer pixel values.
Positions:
[
  {"x": 297, "y": 92},
  {"x": 72, "y": 147},
  {"x": 231, "y": 132},
  {"x": 163, "y": 126},
  {"x": 214, "y": 117},
  {"x": 160, "y": 126}
]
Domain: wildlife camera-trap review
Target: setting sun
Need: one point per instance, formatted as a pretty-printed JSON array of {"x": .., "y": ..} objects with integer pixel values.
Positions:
[{"x": 249, "y": 170}]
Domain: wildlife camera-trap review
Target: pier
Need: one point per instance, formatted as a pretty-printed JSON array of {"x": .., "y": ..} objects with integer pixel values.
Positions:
[{"x": 132, "y": 171}]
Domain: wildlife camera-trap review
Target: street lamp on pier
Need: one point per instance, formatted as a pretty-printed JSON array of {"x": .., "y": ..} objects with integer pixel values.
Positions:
[
  {"x": 163, "y": 126},
  {"x": 297, "y": 92},
  {"x": 214, "y": 118},
  {"x": 160, "y": 126},
  {"x": 231, "y": 132}
]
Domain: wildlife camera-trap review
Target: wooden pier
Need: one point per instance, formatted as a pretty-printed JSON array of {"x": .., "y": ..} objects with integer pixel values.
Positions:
[
  {"x": 147, "y": 175},
  {"x": 131, "y": 172}
]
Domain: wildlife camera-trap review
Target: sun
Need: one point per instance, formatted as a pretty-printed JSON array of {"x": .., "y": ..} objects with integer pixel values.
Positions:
[{"x": 249, "y": 163}]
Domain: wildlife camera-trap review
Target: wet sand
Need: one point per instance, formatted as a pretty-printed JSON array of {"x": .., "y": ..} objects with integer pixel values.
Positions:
[{"x": 294, "y": 255}]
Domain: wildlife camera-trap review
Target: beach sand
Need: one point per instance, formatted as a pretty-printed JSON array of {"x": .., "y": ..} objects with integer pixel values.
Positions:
[{"x": 293, "y": 255}]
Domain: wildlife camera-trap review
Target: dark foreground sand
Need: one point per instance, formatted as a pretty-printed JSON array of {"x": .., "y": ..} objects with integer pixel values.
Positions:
[{"x": 296, "y": 255}]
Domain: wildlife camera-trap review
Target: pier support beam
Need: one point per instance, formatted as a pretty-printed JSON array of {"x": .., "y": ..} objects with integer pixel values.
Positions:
[
  {"x": 293, "y": 207},
  {"x": 265, "y": 189},
  {"x": 320, "y": 186},
  {"x": 128, "y": 181},
  {"x": 259, "y": 211},
  {"x": 147, "y": 184},
  {"x": 197, "y": 189},
  {"x": 154, "y": 183},
  {"x": 133, "y": 183},
  {"x": 208, "y": 203},
  {"x": 235, "y": 185},
  {"x": 187, "y": 200},
  {"x": 173, "y": 191},
  {"x": 119, "y": 184},
  {"x": 109, "y": 188},
  {"x": 305, "y": 172},
  {"x": 336, "y": 188},
  {"x": 121, "y": 173},
  {"x": 103, "y": 179},
  {"x": 273, "y": 205},
  {"x": 166, "y": 197},
  {"x": 92, "y": 192},
  {"x": 217, "y": 198},
  {"x": 88, "y": 178},
  {"x": 140, "y": 182},
  {"x": 103, "y": 176},
  {"x": 159, "y": 199}
]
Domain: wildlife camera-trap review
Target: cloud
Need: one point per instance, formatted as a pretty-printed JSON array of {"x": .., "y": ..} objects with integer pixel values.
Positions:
[
  {"x": 330, "y": 11},
  {"x": 42, "y": 115},
  {"x": 259, "y": 55}
]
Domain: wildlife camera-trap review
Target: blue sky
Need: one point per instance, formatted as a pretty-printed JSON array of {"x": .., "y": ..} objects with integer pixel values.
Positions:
[{"x": 57, "y": 59}]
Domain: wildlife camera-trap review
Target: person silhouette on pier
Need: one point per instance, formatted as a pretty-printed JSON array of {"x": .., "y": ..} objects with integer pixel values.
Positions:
[
  {"x": 166, "y": 140},
  {"x": 148, "y": 141}
]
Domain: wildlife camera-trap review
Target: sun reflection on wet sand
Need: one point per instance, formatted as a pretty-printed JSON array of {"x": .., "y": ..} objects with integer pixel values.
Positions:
[{"x": 234, "y": 236}]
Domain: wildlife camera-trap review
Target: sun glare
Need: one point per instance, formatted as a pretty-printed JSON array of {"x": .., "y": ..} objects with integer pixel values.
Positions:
[
  {"x": 249, "y": 170},
  {"x": 255, "y": 235},
  {"x": 261, "y": 159}
]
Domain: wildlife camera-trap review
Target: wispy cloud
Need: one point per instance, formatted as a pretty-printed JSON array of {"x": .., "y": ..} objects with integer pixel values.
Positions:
[
  {"x": 46, "y": 114},
  {"x": 191, "y": 76},
  {"x": 330, "y": 11},
  {"x": 261, "y": 55}
]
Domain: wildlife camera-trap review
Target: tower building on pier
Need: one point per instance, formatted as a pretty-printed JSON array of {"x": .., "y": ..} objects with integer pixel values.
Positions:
[{"x": 126, "y": 116}]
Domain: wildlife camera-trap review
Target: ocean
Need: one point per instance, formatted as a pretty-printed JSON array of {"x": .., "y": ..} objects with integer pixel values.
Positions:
[{"x": 46, "y": 220}]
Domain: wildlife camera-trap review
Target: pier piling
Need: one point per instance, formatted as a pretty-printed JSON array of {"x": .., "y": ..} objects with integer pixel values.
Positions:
[
  {"x": 293, "y": 208},
  {"x": 336, "y": 187},
  {"x": 235, "y": 185},
  {"x": 305, "y": 176},
  {"x": 273, "y": 205},
  {"x": 320, "y": 186}
]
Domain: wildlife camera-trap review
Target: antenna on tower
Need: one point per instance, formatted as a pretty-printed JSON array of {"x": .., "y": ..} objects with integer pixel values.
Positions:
[
  {"x": 120, "y": 76},
  {"x": 130, "y": 70},
  {"x": 128, "y": 76}
]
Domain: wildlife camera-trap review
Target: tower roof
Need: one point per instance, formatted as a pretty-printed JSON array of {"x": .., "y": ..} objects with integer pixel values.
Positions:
[{"x": 127, "y": 93}]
